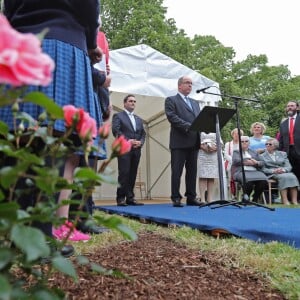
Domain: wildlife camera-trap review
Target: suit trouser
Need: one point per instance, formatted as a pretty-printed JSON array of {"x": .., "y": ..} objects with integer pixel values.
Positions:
[
  {"x": 294, "y": 159},
  {"x": 180, "y": 158},
  {"x": 127, "y": 167}
]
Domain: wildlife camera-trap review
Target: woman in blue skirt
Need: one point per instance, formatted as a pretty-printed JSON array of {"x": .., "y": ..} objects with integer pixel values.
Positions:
[{"x": 71, "y": 41}]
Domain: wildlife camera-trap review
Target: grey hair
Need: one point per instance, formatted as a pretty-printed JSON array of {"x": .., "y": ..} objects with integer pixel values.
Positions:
[
  {"x": 245, "y": 137},
  {"x": 274, "y": 142}
]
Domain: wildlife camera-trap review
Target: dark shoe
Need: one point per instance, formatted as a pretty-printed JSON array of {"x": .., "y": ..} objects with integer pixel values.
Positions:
[
  {"x": 67, "y": 250},
  {"x": 134, "y": 202},
  {"x": 177, "y": 203},
  {"x": 194, "y": 202},
  {"x": 92, "y": 228},
  {"x": 121, "y": 203}
]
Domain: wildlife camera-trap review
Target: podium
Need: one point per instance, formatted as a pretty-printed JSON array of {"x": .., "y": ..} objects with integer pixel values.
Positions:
[{"x": 213, "y": 119}]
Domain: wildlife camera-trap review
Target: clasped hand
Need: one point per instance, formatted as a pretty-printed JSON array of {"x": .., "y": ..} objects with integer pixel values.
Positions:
[
  {"x": 209, "y": 147},
  {"x": 278, "y": 171},
  {"x": 250, "y": 162},
  {"x": 135, "y": 143}
]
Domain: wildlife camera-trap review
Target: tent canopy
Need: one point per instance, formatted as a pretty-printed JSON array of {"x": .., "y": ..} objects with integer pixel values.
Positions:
[{"x": 152, "y": 76}]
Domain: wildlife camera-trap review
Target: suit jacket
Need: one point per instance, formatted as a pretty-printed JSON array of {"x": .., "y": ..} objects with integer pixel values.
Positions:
[
  {"x": 284, "y": 141},
  {"x": 121, "y": 125},
  {"x": 181, "y": 117},
  {"x": 281, "y": 161},
  {"x": 236, "y": 167}
]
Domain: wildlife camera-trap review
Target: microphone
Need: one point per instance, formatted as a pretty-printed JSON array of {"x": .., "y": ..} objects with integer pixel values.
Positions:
[{"x": 203, "y": 89}]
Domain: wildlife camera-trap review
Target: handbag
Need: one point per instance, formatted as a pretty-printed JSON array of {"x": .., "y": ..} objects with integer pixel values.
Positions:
[{"x": 232, "y": 187}]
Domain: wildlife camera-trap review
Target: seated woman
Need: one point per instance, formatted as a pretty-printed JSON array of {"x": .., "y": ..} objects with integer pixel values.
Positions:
[
  {"x": 255, "y": 178},
  {"x": 278, "y": 167}
]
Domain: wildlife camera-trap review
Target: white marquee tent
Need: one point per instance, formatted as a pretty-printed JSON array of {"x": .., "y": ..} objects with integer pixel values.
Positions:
[{"x": 151, "y": 76}]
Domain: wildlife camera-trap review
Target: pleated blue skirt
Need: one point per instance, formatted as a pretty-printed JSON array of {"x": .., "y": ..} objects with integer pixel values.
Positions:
[{"x": 71, "y": 84}]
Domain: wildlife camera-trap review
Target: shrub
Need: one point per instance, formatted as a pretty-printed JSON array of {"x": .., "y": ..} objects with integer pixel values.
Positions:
[{"x": 31, "y": 157}]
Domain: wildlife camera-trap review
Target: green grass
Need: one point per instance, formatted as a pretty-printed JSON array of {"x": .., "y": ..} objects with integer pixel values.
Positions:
[{"x": 277, "y": 262}]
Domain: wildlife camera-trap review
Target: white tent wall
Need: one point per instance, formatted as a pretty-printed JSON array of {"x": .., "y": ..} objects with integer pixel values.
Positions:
[{"x": 151, "y": 76}]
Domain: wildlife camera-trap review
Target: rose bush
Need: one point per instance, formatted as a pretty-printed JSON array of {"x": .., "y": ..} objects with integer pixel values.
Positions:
[{"x": 30, "y": 160}]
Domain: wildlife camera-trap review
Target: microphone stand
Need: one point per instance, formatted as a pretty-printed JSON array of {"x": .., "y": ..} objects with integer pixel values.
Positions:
[{"x": 245, "y": 198}]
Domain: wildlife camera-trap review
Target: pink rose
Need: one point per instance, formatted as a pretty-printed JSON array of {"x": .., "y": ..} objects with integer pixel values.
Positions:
[
  {"x": 120, "y": 146},
  {"x": 71, "y": 115},
  {"x": 88, "y": 128},
  {"x": 21, "y": 59},
  {"x": 104, "y": 131},
  {"x": 84, "y": 124}
]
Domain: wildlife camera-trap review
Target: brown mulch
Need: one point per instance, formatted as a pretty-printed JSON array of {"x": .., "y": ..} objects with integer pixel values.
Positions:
[{"x": 159, "y": 268}]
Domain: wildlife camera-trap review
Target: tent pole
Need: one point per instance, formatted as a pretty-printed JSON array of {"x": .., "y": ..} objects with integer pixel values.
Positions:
[{"x": 148, "y": 165}]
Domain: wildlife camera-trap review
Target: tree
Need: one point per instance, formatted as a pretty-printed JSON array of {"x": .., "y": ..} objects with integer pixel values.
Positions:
[{"x": 132, "y": 22}]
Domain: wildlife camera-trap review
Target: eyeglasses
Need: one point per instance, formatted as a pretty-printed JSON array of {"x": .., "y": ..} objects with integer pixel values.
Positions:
[
  {"x": 131, "y": 101},
  {"x": 268, "y": 144},
  {"x": 245, "y": 141},
  {"x": 188, "y": 82}
]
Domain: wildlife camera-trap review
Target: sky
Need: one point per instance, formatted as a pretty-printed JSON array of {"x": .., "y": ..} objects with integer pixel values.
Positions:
[{"x": 269, "y": 27}]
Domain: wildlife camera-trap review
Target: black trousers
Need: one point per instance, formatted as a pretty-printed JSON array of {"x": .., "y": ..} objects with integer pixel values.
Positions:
[
  {"x": 258, "y": 187},
  {"x": 181, "y": 158},
  {"x": 294, "y": 159},
  {"x": 127, "y": 168}
]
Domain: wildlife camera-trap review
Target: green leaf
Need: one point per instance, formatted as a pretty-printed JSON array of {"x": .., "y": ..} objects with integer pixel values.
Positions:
[
  {"x": 90, "y": 174},
  {"x": 99, "y": 269},
  {"x": 54, "y": 110},
  {"x": 5, "y": 258},
  {"x": 127, "y": 232},
  {"x": 109, "y": 272},
  {"x": 5, "y": 290},
  {"x": 22, "y": 154},
  {"x": 82, "y": 260},
  {"x": 26, "y": 117},
  {"x": 44, "y": 294},
  {"x": 108, "y": 179},
  {"x": 86, "y": 173},
  {"x": 31, "y": 241},
  {"x": 3, "y": 129},
  {"x": 8, "y": 210},
  {"x": 115, "y": 223},
  {"x": 65, "y": 266},
  {"x": 2, "y": 195}
]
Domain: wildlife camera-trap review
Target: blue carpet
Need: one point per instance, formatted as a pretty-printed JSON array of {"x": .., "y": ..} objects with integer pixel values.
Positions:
[{"x": 251, "y": 222}]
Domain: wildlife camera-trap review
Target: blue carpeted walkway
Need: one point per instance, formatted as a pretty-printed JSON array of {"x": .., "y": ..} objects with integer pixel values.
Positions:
[{"x": 254, "y": 223}]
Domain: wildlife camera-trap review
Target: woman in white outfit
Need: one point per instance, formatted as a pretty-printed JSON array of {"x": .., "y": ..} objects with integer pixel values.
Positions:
[{"x": 208, "y": 170}]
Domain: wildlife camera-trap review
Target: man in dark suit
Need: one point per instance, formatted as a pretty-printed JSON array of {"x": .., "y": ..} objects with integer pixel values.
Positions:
[
  {"x": 289, "y": 140},
  {"x": 131, "y": 127},
  {"x": 181, "y": 111}
]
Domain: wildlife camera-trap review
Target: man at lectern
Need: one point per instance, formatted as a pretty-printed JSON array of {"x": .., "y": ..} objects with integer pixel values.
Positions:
[{"x": 184, "y": 145}]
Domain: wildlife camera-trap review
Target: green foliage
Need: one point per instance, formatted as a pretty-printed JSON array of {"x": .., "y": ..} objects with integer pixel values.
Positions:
[{"x": 30, "y": 162}]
